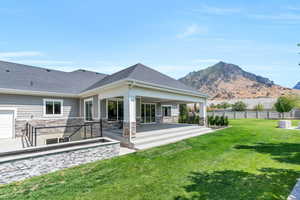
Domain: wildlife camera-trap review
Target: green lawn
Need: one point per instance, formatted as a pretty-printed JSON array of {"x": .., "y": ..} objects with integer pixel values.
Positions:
[{"x": 251, "y": 160}]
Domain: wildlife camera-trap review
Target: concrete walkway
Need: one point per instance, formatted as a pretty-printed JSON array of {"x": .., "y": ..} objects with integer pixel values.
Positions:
[
  {"x": 295, "y": 194},
  {"x": 125, "y": 150},
  {"x": 10, "y": 144}
]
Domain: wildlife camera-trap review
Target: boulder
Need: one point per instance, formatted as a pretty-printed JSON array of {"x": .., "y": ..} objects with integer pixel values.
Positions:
[{"x": 284, "y": 124}]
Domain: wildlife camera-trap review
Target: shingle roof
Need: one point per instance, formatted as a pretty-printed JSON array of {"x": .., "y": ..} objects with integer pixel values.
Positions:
[
  {"x": 25, "y": 77},
  {"x": 140, "y": 72}
]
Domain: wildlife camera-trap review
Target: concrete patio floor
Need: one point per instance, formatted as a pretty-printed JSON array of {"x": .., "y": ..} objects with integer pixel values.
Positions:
[{"x": 10, "y": 144}]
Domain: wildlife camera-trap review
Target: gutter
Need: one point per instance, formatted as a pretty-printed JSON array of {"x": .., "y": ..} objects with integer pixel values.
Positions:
[
  {"x": 166, "y": 88},
  {"x": 37, "y": 93},
  {"x": 130, "y": 82}
]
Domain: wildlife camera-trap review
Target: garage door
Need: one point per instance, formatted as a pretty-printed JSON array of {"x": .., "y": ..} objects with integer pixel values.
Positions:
[{"x": 6, "y": 123}]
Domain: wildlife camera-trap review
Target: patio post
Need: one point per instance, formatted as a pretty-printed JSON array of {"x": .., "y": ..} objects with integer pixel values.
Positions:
[
  {"x": 129, "y": 123},
  {"x": 202, "y": 113}
]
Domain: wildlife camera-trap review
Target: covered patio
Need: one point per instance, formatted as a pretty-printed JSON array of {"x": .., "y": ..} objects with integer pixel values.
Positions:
[
  {"x": 130, "y": 111},
  {"x": 137, "y": 96}
]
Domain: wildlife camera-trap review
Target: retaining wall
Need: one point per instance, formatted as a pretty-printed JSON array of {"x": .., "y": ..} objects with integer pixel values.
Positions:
[{"x": 41, "y": 160}]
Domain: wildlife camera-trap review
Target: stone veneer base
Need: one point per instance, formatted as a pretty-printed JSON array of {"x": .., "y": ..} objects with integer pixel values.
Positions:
[{"x": 26, "y": 165}]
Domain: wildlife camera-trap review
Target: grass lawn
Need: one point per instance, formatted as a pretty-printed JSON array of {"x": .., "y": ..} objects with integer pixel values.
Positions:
[{"x": 251, "y": 160}]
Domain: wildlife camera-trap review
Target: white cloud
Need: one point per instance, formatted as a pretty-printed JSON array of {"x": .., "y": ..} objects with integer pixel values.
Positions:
[
  {"x": 280, "y": 16},
  {"x": 293, "y": 8},
  {"x": 16, "y": 54},
  {"x": 217, "y": 10},
  {"x": 192, "y": 30}
]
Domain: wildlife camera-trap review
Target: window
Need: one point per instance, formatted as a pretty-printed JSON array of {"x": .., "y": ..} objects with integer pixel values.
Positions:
[
  {"x": 115, "y": 110},
  {"x": 53, "y": 107},
  {"x": 88, "y": 109},
  {"x": 166, "y": 111},
  {"x": 148, "y": 113}
]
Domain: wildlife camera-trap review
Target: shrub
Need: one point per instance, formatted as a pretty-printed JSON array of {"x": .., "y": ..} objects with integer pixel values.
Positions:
[
  {"x": 226, "y": 121},
  {"x": 259, "y": 107},
  {"x": 286, "y": 103},
  {"x": 197, "y": 118},
  {"x": 222, "y": 121},
  {"x": 217, "y": 120},
  {"x": 239, "y": 106},
  {"x": 183, "y": 113},
  {"x": 224, "y": 105},
  {"x": 210, "y": 120}
]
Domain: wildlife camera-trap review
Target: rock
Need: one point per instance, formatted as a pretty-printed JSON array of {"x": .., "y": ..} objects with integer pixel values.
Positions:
[{"x": 284, "y": 124}]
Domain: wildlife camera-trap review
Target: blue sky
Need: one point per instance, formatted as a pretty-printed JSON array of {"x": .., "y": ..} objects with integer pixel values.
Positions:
[{"x": 174, "y": 37}]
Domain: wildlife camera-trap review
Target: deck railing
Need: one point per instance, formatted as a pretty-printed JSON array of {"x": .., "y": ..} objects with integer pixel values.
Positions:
[{"x": 32, "y": 136}]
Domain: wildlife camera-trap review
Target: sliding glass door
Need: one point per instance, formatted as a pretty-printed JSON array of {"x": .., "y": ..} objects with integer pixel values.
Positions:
[{"x": 148, "y": 113}]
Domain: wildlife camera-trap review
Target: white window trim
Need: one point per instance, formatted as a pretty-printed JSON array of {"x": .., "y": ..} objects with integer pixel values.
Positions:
[
  {"x": 162, "y": 110},
  {"x": 113, "y": 99},
  {"x": 53, "y": 115},
  {"x": 84, "y": 113}
]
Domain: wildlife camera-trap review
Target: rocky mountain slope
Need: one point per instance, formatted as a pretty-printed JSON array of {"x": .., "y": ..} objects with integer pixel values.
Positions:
[
  {"x": 297, "y": 86},
  {"x": 228, "y": 81}
]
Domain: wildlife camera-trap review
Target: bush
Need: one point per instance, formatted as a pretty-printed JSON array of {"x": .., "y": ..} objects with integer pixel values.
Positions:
[
  {"x": 239, "y": 106},
  {"x": 286, "y": 103},
  {"x": 222, "y": 121},
  {"x": 210, "y": 120},
  {"x": 196, "y": 120},
  {"x": 259, "y": 107},
  {"x": 217, "y": 121},
  {"x": 226, "y": 121},
  {"x": 183, "y": 113},
  {"x": 224, "y": 105}
]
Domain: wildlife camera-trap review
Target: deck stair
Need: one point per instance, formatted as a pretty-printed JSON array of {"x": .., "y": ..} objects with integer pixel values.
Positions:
[{"x": 154, "y": 138}]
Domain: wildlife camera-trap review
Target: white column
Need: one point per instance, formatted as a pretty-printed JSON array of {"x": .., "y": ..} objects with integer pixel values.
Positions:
[
  {"x": 129, "y": 124},
  {"x": 202, "y": 113}
]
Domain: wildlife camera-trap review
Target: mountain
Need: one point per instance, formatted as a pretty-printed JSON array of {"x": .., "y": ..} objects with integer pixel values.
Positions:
[
  {"x": 297, "y": 86},
  {"x": 228, "y": 81}
]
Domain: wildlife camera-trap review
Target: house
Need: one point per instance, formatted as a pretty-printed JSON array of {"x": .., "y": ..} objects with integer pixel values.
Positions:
[{"x": 134, "y": 96}]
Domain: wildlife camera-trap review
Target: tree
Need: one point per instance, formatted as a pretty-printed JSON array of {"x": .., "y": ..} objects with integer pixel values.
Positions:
[
  {"x": 259, "y": 107},
  {"x": 239, "y": 106},
  {"x": 183, "y": 113},
  {"x": 286, "y": 103},
  {"x": 225, "y": 105}
]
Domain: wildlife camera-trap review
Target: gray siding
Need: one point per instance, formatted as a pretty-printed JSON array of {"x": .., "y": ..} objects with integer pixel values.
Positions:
[
  {"x": 103, "y": 108},
  {"x": 31, "y": 107}
]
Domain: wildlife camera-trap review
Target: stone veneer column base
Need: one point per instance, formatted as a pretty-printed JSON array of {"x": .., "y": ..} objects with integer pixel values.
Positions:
[
  {"x": 202, "y": 121},
  {"x": 126, "y": 129}
]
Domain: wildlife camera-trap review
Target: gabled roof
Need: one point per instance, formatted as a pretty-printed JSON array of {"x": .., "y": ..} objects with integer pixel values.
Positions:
[
  {"x": 25, "y": 77},
  {"x": 142, "y": 73},
  {"x": 36, "y": 79}
]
